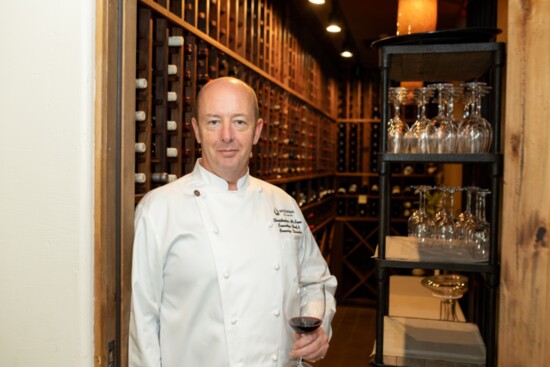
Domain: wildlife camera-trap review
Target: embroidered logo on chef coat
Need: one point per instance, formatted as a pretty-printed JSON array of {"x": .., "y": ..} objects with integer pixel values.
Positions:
[{"x": 286, "y": 221}]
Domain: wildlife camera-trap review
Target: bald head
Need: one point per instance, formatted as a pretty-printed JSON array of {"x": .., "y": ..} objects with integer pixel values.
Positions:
[{"x": 227, "y": 80}]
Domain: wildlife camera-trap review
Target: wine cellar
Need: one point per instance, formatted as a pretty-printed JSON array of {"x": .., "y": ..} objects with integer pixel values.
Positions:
[
  {"x": 323, "y": 128},
  {"x": 409, "y": 141}
]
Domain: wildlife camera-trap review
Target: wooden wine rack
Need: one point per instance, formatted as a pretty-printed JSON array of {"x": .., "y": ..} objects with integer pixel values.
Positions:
[{"x": 181, "y": 45}]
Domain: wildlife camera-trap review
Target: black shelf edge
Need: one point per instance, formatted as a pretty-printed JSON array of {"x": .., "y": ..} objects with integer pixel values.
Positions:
[
  {"x": 442, "y": 158},
  {"x": 469, "y": 267}
]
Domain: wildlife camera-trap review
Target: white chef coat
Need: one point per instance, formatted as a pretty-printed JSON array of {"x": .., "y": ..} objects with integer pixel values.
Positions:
[{"x": 211, "y": 269}]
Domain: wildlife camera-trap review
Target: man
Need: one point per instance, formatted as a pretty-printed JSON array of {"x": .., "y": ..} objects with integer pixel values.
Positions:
[{"x": 213, "y": 263}]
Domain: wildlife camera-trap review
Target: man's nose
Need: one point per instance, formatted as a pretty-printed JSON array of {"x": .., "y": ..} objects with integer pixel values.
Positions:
[{"x": 226, "y": 131}]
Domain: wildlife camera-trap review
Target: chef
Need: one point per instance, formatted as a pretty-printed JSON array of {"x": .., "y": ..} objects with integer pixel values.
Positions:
[{"x": 218, "y": 253}]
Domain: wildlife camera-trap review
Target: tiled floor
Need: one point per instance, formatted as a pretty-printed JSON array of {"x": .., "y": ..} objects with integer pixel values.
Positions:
[{"x": 353, "y": 338}]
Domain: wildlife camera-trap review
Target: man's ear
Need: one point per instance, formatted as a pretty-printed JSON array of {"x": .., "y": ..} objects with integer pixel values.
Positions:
[
  {"x": 258, "y": 130},
  {"x": 196, "y": 129}
]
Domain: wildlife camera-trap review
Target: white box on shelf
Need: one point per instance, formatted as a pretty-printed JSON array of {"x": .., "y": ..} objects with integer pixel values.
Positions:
[{"x": 428, "y": 343}]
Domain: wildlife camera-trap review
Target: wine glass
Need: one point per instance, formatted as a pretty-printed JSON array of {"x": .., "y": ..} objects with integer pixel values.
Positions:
[
  {"x": 397, "y": 128},
  {"x": 423, "y": 132},
  {"x": 444, "y": 228},
  {"x": 475, "y": 132},
  {"x": 466, "y": 218},
  {"x": 479, "y": 232},
  {"x": 448, "y": 288},
  {"x": 305, "y": 311},
  {"x": 419, "y": 224},
  {"x": 446, "y": 129}
]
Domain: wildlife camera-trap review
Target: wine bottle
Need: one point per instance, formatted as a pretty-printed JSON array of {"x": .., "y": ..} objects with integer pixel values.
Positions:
[
  {"x": 140, "y": 178},
  {"x": 140, "y": 147},
  {"x": 171, "y": 96},
  {"x": 171, "y": 152},
  {"x": 171, "y": 125},
  {"x": 172, "y": 69},
  {"x": 159, "y": 177},
  {"x": 175, "y": 41},
  {"x": 140, "y": 116},
  {"x": 141, "y": 83}
]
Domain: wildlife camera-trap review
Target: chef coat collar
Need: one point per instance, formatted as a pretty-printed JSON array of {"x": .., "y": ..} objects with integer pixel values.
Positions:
[{"x": 215, "y": 180}]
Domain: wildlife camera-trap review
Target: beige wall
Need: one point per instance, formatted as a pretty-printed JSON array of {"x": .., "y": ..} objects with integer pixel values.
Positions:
[{"x": 46, "y": 185}]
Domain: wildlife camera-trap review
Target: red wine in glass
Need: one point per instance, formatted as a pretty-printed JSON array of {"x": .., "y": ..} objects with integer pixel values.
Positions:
[{"x": 304, "y": 324}]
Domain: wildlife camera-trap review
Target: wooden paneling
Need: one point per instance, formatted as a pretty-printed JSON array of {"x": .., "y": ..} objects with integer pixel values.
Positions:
[{"x": 524, "y": 321}]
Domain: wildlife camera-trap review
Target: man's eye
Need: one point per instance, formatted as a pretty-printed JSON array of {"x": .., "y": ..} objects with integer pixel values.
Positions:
[
  {"x": 241, "y": 124},
  {"x": 213, "y": 122}
]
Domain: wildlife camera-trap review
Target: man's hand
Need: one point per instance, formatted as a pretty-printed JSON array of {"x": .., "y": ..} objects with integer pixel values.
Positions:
[{"x": 312, "y": 346}]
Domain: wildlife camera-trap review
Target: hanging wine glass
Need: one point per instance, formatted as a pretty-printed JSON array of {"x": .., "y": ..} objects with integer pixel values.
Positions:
[
  {"x": 443, "y": 226},
  {"x": 479, "y": 232},
  {"x": 466, "y": 218},
  {"x": 420, "y": 226},
  {"x": 446, "y": 129},
  {"x": 424, "y": 139},
  {"x": 397, "y": 128},
  {"x": 475, "y": 132}
]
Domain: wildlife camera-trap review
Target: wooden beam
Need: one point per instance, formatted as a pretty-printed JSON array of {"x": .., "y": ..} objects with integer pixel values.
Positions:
[{"x": 524, "y": 317}]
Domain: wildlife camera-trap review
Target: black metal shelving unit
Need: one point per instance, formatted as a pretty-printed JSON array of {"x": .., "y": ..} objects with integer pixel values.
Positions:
[{"x": 443, "y": 62}]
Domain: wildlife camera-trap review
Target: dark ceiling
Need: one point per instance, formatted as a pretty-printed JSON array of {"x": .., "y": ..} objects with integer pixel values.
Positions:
[{"x": 369, "y": 20}]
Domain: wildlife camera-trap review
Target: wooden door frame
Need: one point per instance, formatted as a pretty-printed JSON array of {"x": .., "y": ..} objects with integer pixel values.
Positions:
[{"x": 113, "y": 182}]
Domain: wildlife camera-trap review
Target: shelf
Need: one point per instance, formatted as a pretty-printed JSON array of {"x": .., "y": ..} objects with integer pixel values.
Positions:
[
  {"x": 425, "y": 342},
  {"x": 461, "y": 61},
  {"x": 442, "y": 158}
]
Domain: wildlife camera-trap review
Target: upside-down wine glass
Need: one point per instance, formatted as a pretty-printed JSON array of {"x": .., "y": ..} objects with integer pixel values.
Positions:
[
  {"x": 305, "y": 311},
  {"x": 446, "y": 129},
  {"x": 466, "y": 218},
  {"x": 479, "y": 232},
  {"x": 397, "y": 128},
  {"x": 474, "y": 131},
  {"x": 422, "y": 131},
  {"x": 420, "y": 225}
]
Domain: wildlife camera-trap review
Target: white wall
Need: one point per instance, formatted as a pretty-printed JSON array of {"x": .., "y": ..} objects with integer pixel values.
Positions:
[{"x": 46, "y": 182}]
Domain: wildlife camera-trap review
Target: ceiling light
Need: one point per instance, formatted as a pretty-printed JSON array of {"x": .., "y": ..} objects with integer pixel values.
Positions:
[
  {"x": 334, "y": 24},
  {"x": 347, "y": 50},
  {"x": 317, "y": 2}
]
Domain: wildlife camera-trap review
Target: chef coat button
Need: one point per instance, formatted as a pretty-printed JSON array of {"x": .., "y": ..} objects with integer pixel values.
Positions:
[
  {"x": 274, "y": 358},
  {"x": 276, "y": 266},
  {"x": 276, "y": 313},
  {"x": 234, "y": 320},
  {"x": 216, "y": 230},
  {"x": 197, "y": 193},
  {"x": 260, "y": 190},
  {"x": 226, "y": 274},
  {"x": 270, "y": 224}
]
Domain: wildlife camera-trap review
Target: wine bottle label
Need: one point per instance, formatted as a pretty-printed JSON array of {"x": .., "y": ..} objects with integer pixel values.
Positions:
[
  {"x": 140, "y": 178},
  {"x": 171, "y": 96},
  {"x": 171, "y": 152},
  {"x": 171, "y": 125},
  {"x": 140, "y": 115},
  {"x": 140, "y": 147},
  {"x": 175, "y": 41},
  {"x": 172, "y": 69}
]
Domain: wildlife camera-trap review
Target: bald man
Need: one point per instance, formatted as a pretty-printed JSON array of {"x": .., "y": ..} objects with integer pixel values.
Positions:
[{"x": 218, "y": 254}]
